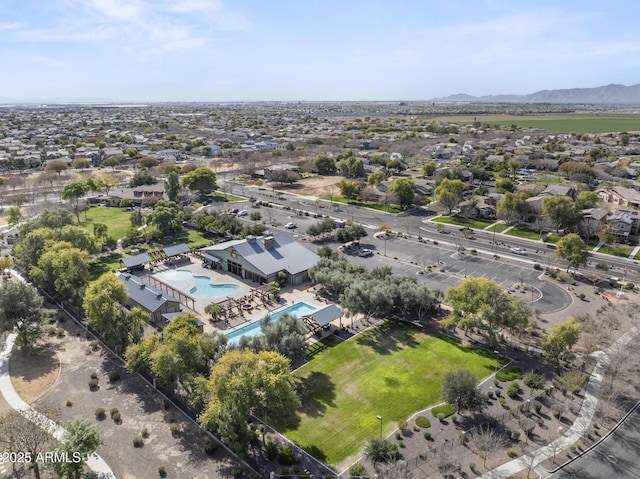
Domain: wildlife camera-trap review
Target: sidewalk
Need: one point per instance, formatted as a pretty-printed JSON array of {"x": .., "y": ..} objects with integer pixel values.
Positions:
[
  {"x": 94, "y": 461},
  {"x": 577, "y": 430}
]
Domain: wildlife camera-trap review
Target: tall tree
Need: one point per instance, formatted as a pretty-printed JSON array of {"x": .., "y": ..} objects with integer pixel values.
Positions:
[
  {"x": 511, "y": 207},
  {"x": 202, "y": 180},
  {"x": 560, "y": 211},
  {"x": 285, "y": 335},
  {"x": 80, "y": 439},
  {"x": 460, "y": 389},
  {"x": 558, "y": 345},
  {"x": 14, "y": 215},
  {"x": 19, "y": 434},
  {"x": 172, "y": 186},
  {"x": 166, "y": 216},
  {"x": 73, "y": 192},
  {"x": 404, "y": 189},
  {"x": 572, "y": 249},
  {"x": 21, "y": 309},
  {"x": 449, "y": 193},
  {"x": 180, "y": 354},
  {"x": 241, "y": 383},
  {"x": 482, "y": 303},
  {"x": 104, "y": 306},
  {"x": 62, "y": 269}
]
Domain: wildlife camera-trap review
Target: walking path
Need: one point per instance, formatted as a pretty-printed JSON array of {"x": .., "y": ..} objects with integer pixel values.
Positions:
[
  {"x": 580, "y": 425},
  {"x": 94, "y": 461}
]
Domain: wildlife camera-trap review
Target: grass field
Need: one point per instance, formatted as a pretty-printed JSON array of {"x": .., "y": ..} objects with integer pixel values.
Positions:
[
  {"x": 498, "y": 227},
  {"x": 392, "y": 370},
  {"x": 578, "y": 123},
  {"x": 116, "y": 219},
  {"x": 373, "y": 206},
  {"x": 462, "y": 221},
  {"x": 616, "y": 250},
  {"x": 220, "y": 196}
]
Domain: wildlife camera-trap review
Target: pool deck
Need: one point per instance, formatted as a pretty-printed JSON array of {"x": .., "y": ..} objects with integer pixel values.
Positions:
[{"x": 288, "y": 295}]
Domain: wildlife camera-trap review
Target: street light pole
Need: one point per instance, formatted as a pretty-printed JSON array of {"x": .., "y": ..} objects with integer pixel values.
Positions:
[
  {"x": 379, "y": 418},
  {"x": 497, "y": 356}
]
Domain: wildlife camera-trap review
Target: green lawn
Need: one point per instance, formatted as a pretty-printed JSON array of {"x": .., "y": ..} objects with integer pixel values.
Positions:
[
  {"x": 523, "y": 232},
  {"x": 498, "y": 227},
  {"x": 548, "y": 180},
  {"x": 373, "y": 206},
  {"x": 462, "y": 221},
  {"x": 393, "y": 371},
  {"x": 104, "y": 264},
  {"x": 616, "y": 250},
  {"x": 220, "y": 196},
  {"x": 116, "y": 219}
]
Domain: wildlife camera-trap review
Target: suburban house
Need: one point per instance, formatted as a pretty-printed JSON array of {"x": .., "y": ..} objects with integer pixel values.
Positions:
[
  {"x": 624, "y": 223},
  {"x": 620, "y": 195},
  {"x": 150, "y": 299},
  {"x": 260, "y": 259},
  {"x": 593, "y": 219}
]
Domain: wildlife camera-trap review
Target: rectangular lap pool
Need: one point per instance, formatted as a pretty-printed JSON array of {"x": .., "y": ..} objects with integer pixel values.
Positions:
[{"x": 298, "y": 310}]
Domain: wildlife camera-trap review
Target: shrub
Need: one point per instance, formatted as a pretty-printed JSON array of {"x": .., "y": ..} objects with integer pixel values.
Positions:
[
  {"x": 137, "y": 441},
  {"x": 114, "y": 376},
  {"x": 287, "y": 457},
  {"x": 536, "y": 266},
  {"x": 557, "y": 410},
  {"x": 537, "y": 406},
  {"x": 357, "y": 470},
  {"x": 144, "y": 433},
  {"x": 446, "y": 410},
  {"x": 117, "y": 418},
  {"x": 113, "y": 410},
  {"x": 169, "y": 417},
  {"x": 94, "y": 375},
  {"x": 513, "y": 390},
  {"x": 93, "y": 384},
  {"x": 403, "y": 425},
  {"x": 509, "y": 374},
  {"x": 511, "y": 452},
  {"x": 271, "y": 450},
  {"x": 398, "y": 435},
  {"x": 175, "y": 428},
  {"x": 100, "y": 414},
  {"x": 285, "y": 471},
  {"x": 423, "y": 421},
  {"x": 162, "y": 472},
  {"x": 69, "y": 403},
  {"x": 210, "y": 446},
  {"x": 502, "y": 401},
  {"x": 440, "y": 416},
  {"x": 534, "y": 380},
  {"x": 427, "y": 435}
]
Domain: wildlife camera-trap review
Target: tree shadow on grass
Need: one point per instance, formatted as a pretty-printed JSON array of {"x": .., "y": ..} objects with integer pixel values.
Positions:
[
  {"x": 389, "y": 337},
  {"x": 317, "y": 392}
]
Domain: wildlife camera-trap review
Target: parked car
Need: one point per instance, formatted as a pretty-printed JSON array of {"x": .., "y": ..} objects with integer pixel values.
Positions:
[
  {"x": 243, "y": 213},
  {"x": 291, "y": 225},
  {"x": 466, "y": 228},
  {"x": 234, "y": 211},
  {"x": 520, "y": 251},
  {"x": 366, "y": 252}
]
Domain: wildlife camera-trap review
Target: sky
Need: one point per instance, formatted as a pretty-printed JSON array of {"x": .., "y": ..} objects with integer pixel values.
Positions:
[{"x": 310, "y": 50}]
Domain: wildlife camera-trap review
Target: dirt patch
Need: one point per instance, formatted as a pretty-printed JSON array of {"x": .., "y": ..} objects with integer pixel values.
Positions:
[
  {"x": 315, "y": 186},
  {"x": 32, "y": 374}
]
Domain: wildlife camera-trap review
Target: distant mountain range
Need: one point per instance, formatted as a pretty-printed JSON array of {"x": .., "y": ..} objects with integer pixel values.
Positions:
[{"x": 609, "y": 94}]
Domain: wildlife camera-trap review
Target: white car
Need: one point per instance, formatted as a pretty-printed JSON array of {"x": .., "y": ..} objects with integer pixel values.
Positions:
[
  {"x": 520, "y": 251},
  {"x": 243, "y": 213},
  {"x": 290, "y": 225},
  {"x": 366, "y": 252}
]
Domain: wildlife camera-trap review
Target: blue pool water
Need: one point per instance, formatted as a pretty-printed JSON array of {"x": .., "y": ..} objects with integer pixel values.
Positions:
[
  {"x": 198, "y": 286},
  {"x": 298, "y": 310}
]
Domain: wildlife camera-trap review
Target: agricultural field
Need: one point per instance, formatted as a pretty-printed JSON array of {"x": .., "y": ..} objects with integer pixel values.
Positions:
[
  {"x": 392, "y": 370},
  {"x": 578, "y": 123}
]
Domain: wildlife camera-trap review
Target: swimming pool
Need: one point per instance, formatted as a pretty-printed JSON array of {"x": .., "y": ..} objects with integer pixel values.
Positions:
[
  {"x": 197, "y": 286},
  {"x": 298, "y": 310}
]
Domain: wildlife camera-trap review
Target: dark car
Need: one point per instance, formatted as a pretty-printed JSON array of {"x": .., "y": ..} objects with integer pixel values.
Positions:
[{"x": 466, "y": 228}]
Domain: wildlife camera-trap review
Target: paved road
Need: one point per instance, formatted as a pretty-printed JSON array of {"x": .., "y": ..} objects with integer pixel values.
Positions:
[{"x": 617, "y": 457}]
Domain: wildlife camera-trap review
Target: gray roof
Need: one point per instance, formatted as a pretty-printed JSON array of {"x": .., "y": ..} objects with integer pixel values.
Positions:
[
  {"x": 287, "y": 254},
  {"x": 168, "y": 317},
  {"x": 143, "y": 294},
  {"x": 176, "y": 249},
  {"x": 136, "y": 260},
  {"x": 326, "y": 314}
]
